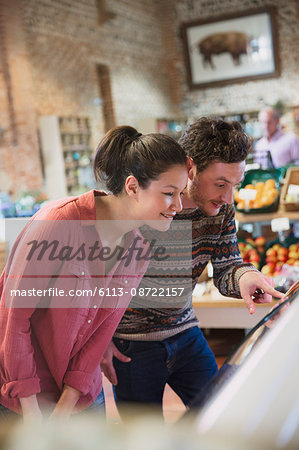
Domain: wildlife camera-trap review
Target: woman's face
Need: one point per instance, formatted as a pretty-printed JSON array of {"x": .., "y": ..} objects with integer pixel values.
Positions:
[{"x": 161, "y": 200}]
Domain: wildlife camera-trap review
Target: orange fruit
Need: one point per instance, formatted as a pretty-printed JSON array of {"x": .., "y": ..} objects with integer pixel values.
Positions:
[
  {"x": 259, "y": 186},
  {"x": 241, "y": 204},
  {"x": 270, "y": 183}
]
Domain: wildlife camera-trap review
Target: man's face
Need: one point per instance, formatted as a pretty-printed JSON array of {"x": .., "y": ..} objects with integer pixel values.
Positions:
[
  {"x": 214, "y": 186},
  {"x": 269, "y": 123}
]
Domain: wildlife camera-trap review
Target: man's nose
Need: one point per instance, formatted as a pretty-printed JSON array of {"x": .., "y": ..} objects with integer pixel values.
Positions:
[{"x": 227, "y": 197}]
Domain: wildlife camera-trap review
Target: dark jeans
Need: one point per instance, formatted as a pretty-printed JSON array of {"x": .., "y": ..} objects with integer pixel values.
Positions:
[{"x": 184, "y": 361}]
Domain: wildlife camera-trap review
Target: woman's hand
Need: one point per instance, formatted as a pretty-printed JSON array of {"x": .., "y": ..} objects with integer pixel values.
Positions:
[
  {"x": 30, "y": 409},
  {"x": 66, "y": 403}
]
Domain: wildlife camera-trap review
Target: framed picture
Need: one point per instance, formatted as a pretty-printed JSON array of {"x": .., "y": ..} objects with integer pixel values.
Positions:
[{"x": 231, "y": 49}]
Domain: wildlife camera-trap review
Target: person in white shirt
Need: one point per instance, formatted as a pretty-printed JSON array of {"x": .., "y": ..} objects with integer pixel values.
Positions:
[{"x": 283, "y": 147}]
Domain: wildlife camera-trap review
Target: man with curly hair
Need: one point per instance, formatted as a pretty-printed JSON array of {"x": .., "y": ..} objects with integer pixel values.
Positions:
[{"x": 157, "y": 344}]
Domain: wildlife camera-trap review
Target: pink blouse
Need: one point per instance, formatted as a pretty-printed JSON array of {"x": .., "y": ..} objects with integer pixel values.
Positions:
[{"x": 48, "y": 339}]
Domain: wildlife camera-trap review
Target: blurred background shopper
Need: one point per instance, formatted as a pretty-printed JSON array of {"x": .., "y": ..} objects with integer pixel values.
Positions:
[{"x": 283, "y": 147}]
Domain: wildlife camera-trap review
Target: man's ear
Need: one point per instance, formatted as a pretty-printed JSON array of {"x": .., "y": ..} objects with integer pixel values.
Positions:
[
  {"x": 131, "y": 186},
  {"x": 191, "y": 168}
]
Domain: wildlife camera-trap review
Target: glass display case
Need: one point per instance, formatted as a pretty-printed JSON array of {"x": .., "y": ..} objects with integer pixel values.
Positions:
[{"x": 255, "y": 396}]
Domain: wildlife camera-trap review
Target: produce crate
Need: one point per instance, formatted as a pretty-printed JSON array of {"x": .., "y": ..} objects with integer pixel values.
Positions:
[
  {"x": 286, "y": 243},
  {"x": 253, "y": 177},
  {"x": 292, "y": 177}
]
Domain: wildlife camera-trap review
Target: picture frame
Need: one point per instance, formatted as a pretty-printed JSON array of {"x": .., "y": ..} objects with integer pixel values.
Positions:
[{"x": 232, "y": 48}]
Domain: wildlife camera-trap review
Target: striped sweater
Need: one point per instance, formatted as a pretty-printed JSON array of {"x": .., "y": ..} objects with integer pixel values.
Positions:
[{"x": 212, "y": 238}]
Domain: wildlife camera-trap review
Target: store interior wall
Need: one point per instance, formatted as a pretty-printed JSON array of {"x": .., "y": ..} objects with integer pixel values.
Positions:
[
  {"x": 53, "y": 51},
  {"x": 20, "y": 166},
  {"x": 253, "y": 95}
]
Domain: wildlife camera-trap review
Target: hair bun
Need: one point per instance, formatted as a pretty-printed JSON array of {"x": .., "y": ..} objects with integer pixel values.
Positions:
[{"x": 123, "y": 152}]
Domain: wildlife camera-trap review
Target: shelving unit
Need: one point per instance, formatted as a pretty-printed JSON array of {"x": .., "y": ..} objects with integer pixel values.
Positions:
[
  {"x": 249, "y": 119},
  {"x": 67, "y": 155},
  {"x": 216, "y": 311},
  {"x": 293, "y": 216},
  {"x": 171, "y": 127},
  {"x": 259, "y": 220}
]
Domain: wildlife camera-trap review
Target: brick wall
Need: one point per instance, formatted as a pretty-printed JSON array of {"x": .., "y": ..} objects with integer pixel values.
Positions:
[
  {"x": 63, "y": 44},
  {"x": 252, "y": 95},
  {"x": 53, "y": 49},
  {"x": 66, "y": 43},
  {"x": 19, "y": 151}
]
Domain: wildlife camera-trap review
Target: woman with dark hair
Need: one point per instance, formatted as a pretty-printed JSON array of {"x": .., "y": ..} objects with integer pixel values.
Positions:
[{"x": 73, "y": 270}]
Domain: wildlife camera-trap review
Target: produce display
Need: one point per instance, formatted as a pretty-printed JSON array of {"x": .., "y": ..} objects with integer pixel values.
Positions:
[
  {"x": 278, "y": 255},
  {"x": 290, "y": 191},
  {"x": 26, "y": 205},
  {"x": 252, "y": 250},
  {"x": 269, "y": 260},
  {"x": 266, "y": 194},
  {"x": 259, "y": 191}
]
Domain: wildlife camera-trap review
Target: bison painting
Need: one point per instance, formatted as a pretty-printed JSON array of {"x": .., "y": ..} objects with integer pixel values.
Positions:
[{"x": 233, "y": 42}]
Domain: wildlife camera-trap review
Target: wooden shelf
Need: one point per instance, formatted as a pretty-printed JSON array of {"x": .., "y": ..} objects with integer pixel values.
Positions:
[
  {"x": 266, "y": 217},
  {"x": 67, "y": 152},
  {"x": 216, "y": 300},
  {"x": 172, "y": 127},
  {"x": 75, "y": 133},
  {"x": 216, "y": 311}
]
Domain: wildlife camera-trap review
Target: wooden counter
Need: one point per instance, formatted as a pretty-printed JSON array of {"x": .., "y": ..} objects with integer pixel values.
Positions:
[{"x": 213, "y": 310}]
